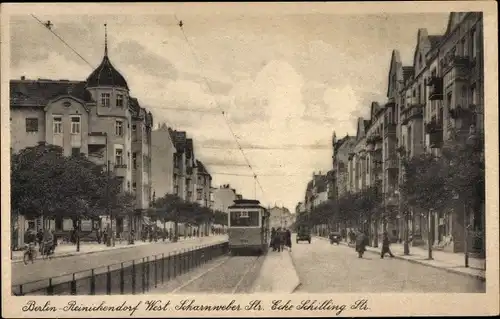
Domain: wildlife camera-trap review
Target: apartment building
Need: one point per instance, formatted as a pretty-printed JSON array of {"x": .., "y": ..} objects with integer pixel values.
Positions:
[
  {"x": 204, "y": 186},
  {"x": 97, "y": 117},
  {"x": 455, "y": 110},
  {"x": 224, "y": 196},
  {"x": 163, "y": 152},
  {"x": 341, "y": 150}
]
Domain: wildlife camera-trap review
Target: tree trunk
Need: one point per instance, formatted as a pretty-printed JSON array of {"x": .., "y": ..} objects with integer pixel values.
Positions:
[{"x": 176, "y": 226}]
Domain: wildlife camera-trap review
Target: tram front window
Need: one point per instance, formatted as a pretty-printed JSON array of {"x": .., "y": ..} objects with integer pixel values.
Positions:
[{"x": 244, "y": 219}]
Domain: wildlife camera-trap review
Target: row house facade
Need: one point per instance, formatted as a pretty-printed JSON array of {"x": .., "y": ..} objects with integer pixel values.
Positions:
[
  {"x": 223, "y": 197},
  {"x": 439, "y": 99},
  {"x": 455, "y": 112},
  {"x": 98, "y": 118}
]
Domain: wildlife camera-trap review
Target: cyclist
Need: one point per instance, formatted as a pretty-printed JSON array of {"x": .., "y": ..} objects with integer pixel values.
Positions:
[{"x": 47, "y": 243}]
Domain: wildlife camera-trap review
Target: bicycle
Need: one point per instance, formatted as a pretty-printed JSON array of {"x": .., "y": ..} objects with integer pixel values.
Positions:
[
  {"x": 46, "y": 250},
  {"x": 29, "y": 254}
]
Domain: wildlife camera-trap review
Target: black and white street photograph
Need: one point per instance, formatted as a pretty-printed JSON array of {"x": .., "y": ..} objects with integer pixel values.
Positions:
[{"x": 182, "y": 152}]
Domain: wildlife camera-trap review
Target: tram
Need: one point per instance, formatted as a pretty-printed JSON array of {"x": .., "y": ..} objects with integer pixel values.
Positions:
[{"x": 248, "y": 227}]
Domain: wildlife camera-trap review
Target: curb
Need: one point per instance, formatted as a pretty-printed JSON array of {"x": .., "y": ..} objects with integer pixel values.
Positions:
[
  {"x": 455, "y": 271},
  {"x": 17, "y": 261},
  {"x": 298, "y": 284}
]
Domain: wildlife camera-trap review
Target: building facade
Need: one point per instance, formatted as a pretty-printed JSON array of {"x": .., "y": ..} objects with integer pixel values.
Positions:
[
  {"x": 163, "y": 151},
  {"x": 280, "y": 217},
  {"x": 224, "y": 196},
  {"x": 204, "y": 186},
  {"x": 98, "y": 118}
]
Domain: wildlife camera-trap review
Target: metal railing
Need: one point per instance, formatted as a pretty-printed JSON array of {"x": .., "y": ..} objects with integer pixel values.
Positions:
[{"x": 130, "y": 277}]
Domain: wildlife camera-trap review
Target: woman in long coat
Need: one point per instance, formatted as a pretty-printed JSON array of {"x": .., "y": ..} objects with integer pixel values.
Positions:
[
  {"x": 273, "y": 238},
  {"x": 361, "y": 243}
]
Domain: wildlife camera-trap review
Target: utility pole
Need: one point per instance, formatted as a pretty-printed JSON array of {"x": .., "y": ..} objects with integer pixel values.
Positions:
[{"x": 429, "y": 235}]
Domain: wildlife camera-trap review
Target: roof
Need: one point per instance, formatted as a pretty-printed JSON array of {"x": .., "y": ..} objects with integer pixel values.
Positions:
[
  {"x": 179, "y": 139},
  {"x": 320, "y": 183},
  {"x": 246, "y": 203},
  {"x": 434, "y": 40},
  {"x": 201, "y": 168},
  {"x": 106, "y": 75},
  {"x": 407, "y": 72},
  {"x": 40, "y": 92}
]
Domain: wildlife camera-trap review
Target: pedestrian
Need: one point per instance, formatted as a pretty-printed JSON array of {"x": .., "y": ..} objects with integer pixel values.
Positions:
[
  {"x": 278, "y": 239},
  {"x": 361, "y": 243},
  {"x": 385, "y": 246},
  {"x": 288, "y": 239},
  {"x": 273, "y": 238},
  {"x": 105, "y": 236}
]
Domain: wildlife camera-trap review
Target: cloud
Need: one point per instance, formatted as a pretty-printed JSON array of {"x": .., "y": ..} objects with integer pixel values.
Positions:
[{"x": 135, "y": 54}]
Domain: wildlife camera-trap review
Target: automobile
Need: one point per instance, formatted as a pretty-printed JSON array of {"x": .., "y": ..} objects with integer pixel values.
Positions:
[
  {"x": 304, "y": 234},
  {"x": 335, "y": 237}
]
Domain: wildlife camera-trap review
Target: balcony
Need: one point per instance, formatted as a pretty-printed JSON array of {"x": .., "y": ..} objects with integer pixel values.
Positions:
[
  {"x": 390, "y": 129},
  {"x": 120, "y": 170},
  {"x": 436, "y": 88},
  {"x": 97, "y": 138},
  {"x": 435, "y": 131},
  {"x": 459, "y": 63},
  {"x": 413, "y": 111},
  {"x": 391, "y": 163}
]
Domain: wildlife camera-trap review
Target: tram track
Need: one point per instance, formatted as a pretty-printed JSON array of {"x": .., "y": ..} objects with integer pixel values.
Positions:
[{"x": 228, "y": 274}]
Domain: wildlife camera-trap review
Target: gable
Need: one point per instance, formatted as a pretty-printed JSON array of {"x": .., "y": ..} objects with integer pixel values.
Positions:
[
  {"x": 395, "y": 62},
  {"x": 419, "y": 54},
  {"x": 360, "y": 132}
]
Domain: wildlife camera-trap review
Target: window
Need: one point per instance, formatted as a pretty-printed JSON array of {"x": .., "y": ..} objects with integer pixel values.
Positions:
[
  {"x": 449, "y": 99},
  {"x": 463, "y": 47},
  {"x": 119, "y": 100},
  {"x": 244, "y": 219},
  {"x": 31, "y": 124},
  {"x": 119, "y": 128},
  {"x": 75, "y": 125},
  {"x": 134, "y": 186},
  {"x": 105, "y": 99},
  {"x": 128, "y": 185},
  {"x": 134, "y": 160},
  {"x": 118, "y": 156},
  {"x": 75, "y": 151},
  {"x": 57, "y": 125},
  {"x": 473, "y": 95},
  {"x": 198, "y": 194},
  {"x": 474, "y": 42}
]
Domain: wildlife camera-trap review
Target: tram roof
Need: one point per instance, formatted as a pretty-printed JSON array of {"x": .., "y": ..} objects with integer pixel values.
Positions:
[{"x": 246, "y": 203}]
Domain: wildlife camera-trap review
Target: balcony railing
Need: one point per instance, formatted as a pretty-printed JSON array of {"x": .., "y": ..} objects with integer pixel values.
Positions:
[
  {"x": 391, "y": 163},
  {"x": 121, "y": 170},
  {"x": 413, "y": 111},
  {"x": 97, "y": 138},
  {"x": 389, "y": 129}
]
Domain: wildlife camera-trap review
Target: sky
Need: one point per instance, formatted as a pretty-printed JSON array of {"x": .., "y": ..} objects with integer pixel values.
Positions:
[{"x": 285, "y": 83}]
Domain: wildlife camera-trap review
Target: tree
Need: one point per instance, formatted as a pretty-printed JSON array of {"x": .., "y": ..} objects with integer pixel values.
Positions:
[
  {"x": 425, "y": 182},
  {"x": 46, "y": 183}
]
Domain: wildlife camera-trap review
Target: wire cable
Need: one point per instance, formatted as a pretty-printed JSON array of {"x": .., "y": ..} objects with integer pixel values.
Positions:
[
  {"x": 181, "y": 24},
  {"x": 47, "y": 26}
]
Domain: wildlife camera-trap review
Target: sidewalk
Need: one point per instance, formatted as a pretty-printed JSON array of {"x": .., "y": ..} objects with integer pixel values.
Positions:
[
  {"x": 267, "y": 281},
  {"x": 67, "y": 250},
  {"x": 451, "y": 262}
]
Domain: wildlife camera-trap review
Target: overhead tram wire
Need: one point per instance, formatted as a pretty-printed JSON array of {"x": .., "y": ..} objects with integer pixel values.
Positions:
[
  {"x": 217, "y": 103},
  {"x": 48, "y": 27}
]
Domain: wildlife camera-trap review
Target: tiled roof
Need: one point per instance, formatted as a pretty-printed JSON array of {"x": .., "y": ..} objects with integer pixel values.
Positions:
[
  {"x": 434, "y": 40},
  {"x": 106, "y": 75},
  {"x": 201, "y": 168},
  {"x": 40, "y": 92}
]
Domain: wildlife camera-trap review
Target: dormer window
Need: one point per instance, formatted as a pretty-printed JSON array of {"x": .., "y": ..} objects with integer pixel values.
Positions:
[
  {"x": 119, "y": 100},
  {"x": 105, "y": 99}
]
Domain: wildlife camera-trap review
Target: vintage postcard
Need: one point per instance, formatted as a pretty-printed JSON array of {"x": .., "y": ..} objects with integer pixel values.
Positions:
[{"x": 249, "y": 159}]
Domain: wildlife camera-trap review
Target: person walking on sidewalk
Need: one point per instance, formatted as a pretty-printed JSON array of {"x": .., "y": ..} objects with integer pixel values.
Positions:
[
  {"x": 288, "y": 239},
  {"x": 385, "y": 246}
]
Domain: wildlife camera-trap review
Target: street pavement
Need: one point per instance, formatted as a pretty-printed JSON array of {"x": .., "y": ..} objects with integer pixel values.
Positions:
[
  {"x": 43, "y": 269},
  {"x": 326, "y": 268},
  {"x": 267, "y": 281}
]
